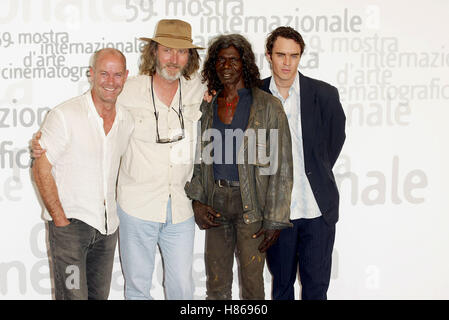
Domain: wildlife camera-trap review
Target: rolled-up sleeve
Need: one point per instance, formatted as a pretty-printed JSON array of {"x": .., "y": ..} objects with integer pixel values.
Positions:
[{"x": 54, "y": 136}]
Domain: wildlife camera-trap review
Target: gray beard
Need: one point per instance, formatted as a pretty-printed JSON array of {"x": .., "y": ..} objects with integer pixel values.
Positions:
[{"x": 164, "y": 74}]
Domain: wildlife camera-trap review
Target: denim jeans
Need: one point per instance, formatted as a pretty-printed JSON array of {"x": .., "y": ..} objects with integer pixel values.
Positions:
[
  {"x": 138, "y": 244},
  {"x": 221, "y": 244},
  {"x": 82, "y": 259}
]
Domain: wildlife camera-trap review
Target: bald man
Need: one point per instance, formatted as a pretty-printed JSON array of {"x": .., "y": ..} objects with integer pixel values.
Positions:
[{"x": 84, "y": 139}]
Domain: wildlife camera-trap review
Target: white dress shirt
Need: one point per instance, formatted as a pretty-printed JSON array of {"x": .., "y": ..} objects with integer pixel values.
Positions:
[
  {"x": 303, "y": 203},
  {"x": 85, "y": 161},
  {"x": 151, "y": 172}
]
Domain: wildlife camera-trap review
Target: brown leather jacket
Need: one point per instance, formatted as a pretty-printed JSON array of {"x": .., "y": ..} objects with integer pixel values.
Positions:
[{"x": 265, "y": 186}]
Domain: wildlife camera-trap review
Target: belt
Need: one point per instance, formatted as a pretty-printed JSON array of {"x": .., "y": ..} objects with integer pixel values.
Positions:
[{"x": 226, "y": 183}]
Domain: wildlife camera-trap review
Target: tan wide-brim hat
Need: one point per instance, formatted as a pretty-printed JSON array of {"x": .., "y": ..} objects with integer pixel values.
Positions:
[{"x": 173, "y": 33}]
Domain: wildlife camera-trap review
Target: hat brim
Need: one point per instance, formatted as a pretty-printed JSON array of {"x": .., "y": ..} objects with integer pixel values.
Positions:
[{"x": 173, "y": 43}]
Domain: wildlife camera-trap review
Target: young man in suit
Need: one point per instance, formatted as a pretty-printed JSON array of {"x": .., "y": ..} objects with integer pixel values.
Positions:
[{"x": 317, "y": 124}]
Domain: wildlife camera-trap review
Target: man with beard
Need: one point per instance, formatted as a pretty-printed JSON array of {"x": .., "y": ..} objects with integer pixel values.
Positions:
[{"x": 153, "y": 208}]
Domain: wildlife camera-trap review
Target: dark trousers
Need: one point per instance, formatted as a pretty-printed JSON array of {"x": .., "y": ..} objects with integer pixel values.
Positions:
[
  {"x": 233, "y": 236},
  {"x": 82, "y": 260},
  {"x": 308, "y": 245}
]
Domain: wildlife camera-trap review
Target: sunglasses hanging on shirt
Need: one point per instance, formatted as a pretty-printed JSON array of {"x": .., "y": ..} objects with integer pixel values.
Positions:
[{"x": 179, "y": 114}]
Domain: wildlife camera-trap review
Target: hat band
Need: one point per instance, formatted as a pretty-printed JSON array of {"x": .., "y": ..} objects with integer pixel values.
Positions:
[{"x": 168, "y": 35}]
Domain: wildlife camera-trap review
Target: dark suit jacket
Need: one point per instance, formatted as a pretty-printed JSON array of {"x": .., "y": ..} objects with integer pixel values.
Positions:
[{"x": 323, "y": 133}]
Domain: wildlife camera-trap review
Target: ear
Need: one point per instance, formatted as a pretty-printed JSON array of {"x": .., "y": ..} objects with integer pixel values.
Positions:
[
  {"x": 268, "y": 57},
  {"x": 91, "y": 73}
]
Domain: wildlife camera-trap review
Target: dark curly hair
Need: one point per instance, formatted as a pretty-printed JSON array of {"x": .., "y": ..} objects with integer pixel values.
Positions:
[
  {"x": 251, "y": 75},
  {"x": 284, "y": 32}
]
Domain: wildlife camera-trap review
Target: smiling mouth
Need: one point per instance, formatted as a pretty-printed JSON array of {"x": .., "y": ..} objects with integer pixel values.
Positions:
[{"x": 172, "y": 66}]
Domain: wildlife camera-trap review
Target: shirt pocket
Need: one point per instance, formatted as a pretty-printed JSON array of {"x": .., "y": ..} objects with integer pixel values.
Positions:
[
  {"x": 144, "y": 127},
  {"x": 183, "y": 152}
]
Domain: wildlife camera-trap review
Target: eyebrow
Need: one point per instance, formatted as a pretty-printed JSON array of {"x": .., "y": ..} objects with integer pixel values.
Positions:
[{"x": 286, "y": 53}]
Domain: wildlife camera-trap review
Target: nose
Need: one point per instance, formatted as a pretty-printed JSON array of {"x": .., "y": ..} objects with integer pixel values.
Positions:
[
  {"x": 227, "y": 63},
  {"x": 174, "y": 56},
  {"x": 286, "y": 60},
  {"x": 110, "y": 79}
]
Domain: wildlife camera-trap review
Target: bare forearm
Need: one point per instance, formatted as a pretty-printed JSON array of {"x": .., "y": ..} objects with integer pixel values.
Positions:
[{"x": 48, "y": 190}]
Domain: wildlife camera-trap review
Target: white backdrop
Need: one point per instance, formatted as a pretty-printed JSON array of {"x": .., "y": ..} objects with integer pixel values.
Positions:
[{"x": 389, "y": 60}]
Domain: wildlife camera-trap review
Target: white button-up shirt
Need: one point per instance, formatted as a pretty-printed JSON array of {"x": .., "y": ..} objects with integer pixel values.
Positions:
[
  {"x": 303, "y": 203},
  {"x": 85, "y": 161},
  {"x": 152, "y": 172}
]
